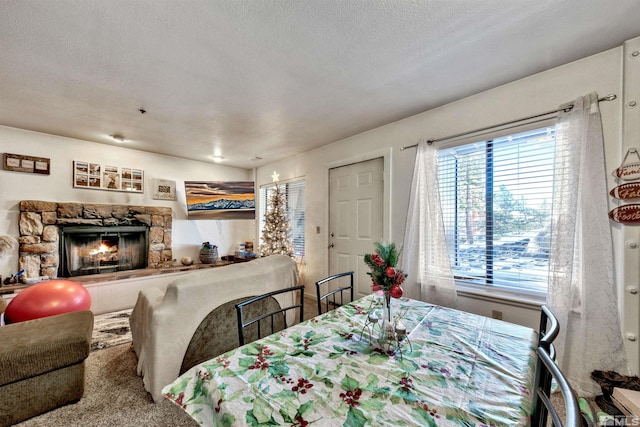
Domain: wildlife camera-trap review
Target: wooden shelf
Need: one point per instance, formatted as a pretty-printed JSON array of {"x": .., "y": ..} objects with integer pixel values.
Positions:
[{"x": 120, "y": 275}]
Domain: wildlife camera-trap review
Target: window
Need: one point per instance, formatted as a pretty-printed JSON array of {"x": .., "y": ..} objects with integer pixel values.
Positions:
[
  {"x": 294, "y": 193},
  {"x": 496, "y": 198}
]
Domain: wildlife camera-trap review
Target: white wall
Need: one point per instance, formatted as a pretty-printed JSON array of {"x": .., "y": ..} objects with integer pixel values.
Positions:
[
  {"x": 187, "y": 235},
  {"x": 539, "y": 93}
]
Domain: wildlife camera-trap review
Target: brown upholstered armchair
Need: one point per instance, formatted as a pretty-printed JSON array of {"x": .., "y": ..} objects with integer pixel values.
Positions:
[{"x": 42, "y": 364}]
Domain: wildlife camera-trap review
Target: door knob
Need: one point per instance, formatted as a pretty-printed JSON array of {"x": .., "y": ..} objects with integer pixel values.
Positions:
[{"x": 331, "y": 245}]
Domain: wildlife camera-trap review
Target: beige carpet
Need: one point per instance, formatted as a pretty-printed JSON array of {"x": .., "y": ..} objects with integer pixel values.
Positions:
[{"x": 114, "y": 396}]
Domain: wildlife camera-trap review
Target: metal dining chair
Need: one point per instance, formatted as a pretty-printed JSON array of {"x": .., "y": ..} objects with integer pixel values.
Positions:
[
  {"x": 546, "y": 372},
  {"x": 327, "y": 295},
  {"x": 548, "y": 331},
  {"x": 265, "y": 312},
  {"x": 543, "y": 404}
]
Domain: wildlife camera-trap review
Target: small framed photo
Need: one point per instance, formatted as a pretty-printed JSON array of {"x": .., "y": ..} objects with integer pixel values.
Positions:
[
  {"x": 42, "y": 166},
  {"x": 163, "y": 189}
]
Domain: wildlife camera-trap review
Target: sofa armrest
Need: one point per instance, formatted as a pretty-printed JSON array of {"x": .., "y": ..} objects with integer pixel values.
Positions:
[{"x": 141, "y": 319}]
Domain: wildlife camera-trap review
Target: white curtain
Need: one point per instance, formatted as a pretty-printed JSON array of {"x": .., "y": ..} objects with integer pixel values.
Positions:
[
  {"x": 582, "y": 291},
  {"x": 425, "y": 257}
]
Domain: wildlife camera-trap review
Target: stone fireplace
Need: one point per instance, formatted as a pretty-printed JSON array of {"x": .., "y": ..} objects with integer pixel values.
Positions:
[{"x": 53, "y": 236}]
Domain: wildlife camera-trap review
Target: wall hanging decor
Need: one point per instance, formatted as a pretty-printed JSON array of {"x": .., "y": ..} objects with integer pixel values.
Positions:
[
  {"x": 629, "y": 171},
  {"x": 627, "y": 214},
  {"x": 107, "y": 177},
  {"x": 628, "y": 191},
  {"x": 220, "y": 200},
  {"x": 163, "y": 189},
  {"x": 29, "y": 164}
]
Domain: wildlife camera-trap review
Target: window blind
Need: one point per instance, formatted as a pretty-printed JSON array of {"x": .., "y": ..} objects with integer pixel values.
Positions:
[{"x": 496, "y": 198}]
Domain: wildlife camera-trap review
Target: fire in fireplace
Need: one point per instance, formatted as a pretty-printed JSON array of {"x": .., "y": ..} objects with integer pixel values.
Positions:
[{"x": 92, "y": 250}]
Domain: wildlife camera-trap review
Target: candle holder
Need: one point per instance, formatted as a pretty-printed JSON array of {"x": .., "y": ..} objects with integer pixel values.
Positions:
[
  {"x": 390, "y": 335},
  {"x": 372, "y": 321}
]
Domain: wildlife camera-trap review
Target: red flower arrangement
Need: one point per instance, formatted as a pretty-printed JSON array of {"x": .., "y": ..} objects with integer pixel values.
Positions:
[{"x": 385, "y": 276}]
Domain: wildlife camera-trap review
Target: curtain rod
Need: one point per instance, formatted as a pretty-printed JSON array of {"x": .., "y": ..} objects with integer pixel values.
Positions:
[{"x": 568, "y": 108}]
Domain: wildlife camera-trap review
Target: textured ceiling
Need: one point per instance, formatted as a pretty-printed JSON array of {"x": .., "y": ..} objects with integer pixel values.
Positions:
[{"x": 272, "y": 78}]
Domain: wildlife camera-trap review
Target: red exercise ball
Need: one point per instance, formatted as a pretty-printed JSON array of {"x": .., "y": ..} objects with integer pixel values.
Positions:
[{"x": 47, "y": 299}]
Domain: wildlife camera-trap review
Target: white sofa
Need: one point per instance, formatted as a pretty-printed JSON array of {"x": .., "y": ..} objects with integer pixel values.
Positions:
[{"x": 164, "y": 323}]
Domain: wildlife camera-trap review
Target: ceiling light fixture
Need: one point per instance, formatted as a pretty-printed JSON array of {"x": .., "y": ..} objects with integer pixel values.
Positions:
[
  {"x": 118, "y": 138},
  {"x": 217, "y": 158}
]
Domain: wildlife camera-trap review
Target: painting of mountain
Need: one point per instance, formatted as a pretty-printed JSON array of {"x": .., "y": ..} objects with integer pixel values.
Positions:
[{"x": 220, "y": 200}]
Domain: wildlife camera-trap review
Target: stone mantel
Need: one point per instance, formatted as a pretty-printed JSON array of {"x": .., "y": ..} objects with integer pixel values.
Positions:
[{"x": 39, "y": 231}]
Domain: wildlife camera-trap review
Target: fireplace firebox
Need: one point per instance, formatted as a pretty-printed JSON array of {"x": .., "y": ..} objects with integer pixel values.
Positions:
[{"x": 93, "y": 250}]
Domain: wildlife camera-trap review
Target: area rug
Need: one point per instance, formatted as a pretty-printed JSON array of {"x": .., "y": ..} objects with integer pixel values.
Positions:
[{"x": 111, "y": 329}]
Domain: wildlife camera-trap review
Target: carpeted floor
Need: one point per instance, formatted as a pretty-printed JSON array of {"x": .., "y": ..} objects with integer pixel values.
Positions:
[{"x": 114, "y": 396}]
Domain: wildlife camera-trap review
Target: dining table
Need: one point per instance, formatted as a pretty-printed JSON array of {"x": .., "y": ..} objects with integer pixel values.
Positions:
[{"x": 453, "y": 368}]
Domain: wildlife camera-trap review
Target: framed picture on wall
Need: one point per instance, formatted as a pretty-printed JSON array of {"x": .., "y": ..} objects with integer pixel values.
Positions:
[
  {"x": 99, "y": 176},
  {"x": 163, "y": 189},
  {"x": 220, "y": 200},
  {"x": 29, "y": 164}
]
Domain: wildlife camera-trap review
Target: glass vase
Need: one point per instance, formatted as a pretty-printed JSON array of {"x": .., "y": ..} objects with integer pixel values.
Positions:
[{"x": 387, "y": 339}]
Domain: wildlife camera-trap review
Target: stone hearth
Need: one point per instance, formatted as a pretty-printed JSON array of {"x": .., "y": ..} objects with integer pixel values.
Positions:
[{"x": 39, "y": 231}]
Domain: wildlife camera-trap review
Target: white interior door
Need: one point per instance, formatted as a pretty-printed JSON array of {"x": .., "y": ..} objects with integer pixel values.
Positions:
[{"x": 356, "y": 193}]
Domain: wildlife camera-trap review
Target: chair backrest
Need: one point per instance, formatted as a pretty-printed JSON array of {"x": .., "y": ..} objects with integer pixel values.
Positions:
[
  {"x": 549, "y": 329},
  {"x": 543, "y": 405},
  {"x": 273, "y": 317},
  {"x": 328, "y": 296}
]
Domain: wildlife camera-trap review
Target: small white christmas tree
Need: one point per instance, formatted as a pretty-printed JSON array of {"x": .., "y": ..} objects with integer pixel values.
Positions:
[{"x": 276, "y": 234}]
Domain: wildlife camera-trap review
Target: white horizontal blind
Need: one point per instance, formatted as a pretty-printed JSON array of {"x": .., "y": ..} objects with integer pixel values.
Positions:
[
  {"x": 294, "y": 193},
  {"x": 496, "y": 198}
]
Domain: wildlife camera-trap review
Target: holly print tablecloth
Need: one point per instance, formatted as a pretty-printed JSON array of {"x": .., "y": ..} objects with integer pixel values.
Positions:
[{"x": 456, "y": 369}]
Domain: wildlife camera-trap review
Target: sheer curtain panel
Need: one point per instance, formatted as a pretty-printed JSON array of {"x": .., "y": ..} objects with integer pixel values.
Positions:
[
  {"x": 582, "y": 291},
  {"x": 425, "y": 257}
]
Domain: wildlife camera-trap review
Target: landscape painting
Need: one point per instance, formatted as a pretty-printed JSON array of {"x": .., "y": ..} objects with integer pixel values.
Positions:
[{"x": 220, "y": 200}]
